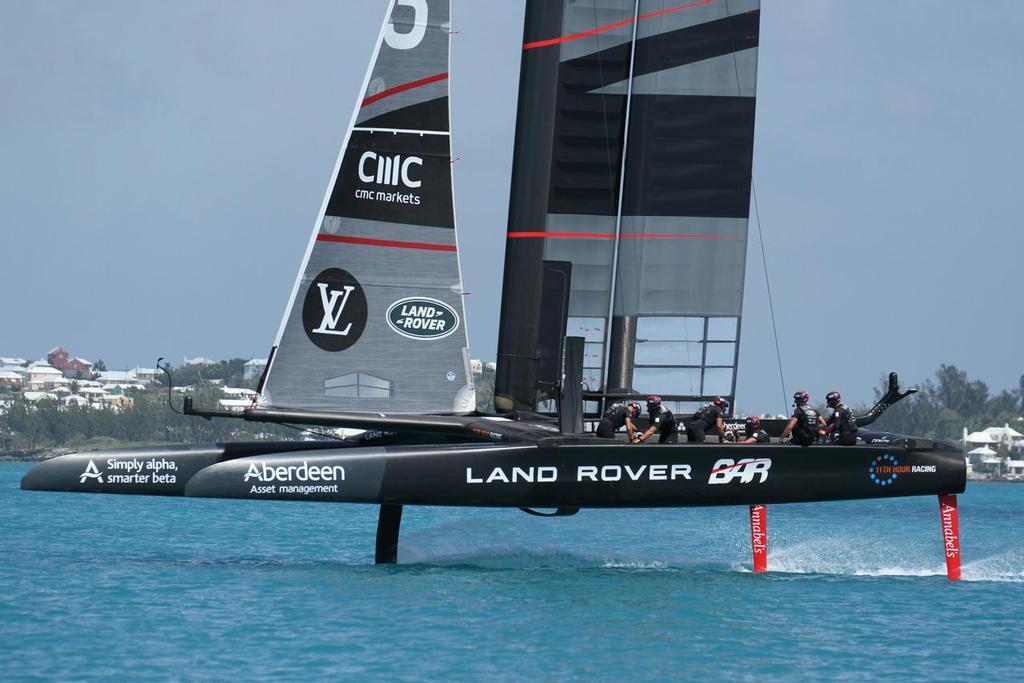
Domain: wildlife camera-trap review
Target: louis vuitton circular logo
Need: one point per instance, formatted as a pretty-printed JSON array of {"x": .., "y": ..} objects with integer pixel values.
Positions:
[{"x": 334, "y": 311}]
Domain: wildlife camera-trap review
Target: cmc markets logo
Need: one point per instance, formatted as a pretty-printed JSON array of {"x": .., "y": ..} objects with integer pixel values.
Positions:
[
  {"x": 422, "y": 318},
  {"x": 334, "y": 311},
  {"x": 726, "y": 471},
  {"x": 385, "y": 170}
]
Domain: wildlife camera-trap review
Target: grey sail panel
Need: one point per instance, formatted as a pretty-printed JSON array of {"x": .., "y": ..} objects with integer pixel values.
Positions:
[
  {"x": 376, "y": 322},
  {"x": 686, "y": 194}
]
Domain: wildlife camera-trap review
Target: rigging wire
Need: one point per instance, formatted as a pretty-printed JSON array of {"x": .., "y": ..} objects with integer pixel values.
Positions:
[
  {"x": 760, "y": 230},
  {"x": 771, "y": 303}
]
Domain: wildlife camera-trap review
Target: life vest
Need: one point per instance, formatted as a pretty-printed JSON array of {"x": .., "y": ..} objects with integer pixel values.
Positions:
[{"x": 806, "y": 423}]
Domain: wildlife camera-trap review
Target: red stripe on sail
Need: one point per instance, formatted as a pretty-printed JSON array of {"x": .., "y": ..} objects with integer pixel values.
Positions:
[
  {"x": 628, "y": 236},
  {"x": 397, "y": 244},
  {"x": 609, "y": 27},
  {"x": 402, "y": 88}
]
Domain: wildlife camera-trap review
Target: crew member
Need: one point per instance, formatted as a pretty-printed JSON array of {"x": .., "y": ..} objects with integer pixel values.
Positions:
[
  {"x": 617, "y": 415},
  {"x": 841, "y": 426},
  {"x": 662, "y": 421},
  {"x": 707, "y": 416},
  {"x": 805, "y": 422},
  {"x": 754, "y": 432}
]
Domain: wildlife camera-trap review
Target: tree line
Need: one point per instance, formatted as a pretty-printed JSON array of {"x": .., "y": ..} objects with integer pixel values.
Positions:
[
  {"x": 943, "y": 406},
  {"x": 950, "y": 401}
]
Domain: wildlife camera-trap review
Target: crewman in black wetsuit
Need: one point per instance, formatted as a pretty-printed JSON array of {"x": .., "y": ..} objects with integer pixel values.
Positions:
[
  {"x": 617, "y": 415},
  {"x": 708, "y": 416},
  {"x": 805, "y": 423},
  {"x": 755, "y": 433},
  {"x": 662, "y": 421},
  {"x": 841, "y": 426}
]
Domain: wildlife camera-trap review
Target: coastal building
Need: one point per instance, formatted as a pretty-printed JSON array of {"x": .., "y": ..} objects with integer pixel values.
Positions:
[
  {"x": 11, "y": 360},
  {"x": 77, "y": 368},
  {"x": 1015, "y": 469},
  {"x": 199, "y": 360},
  {"x": 10, "y": 379},
  {"x": 254, "y": 368},
  {"x": 235, "y": 405},
  {"x": 57, "y": 357},
  {"x": 40, "y": 376},
  {"x": 238, "y": 392},
  {"x": 33, "y": 396}
]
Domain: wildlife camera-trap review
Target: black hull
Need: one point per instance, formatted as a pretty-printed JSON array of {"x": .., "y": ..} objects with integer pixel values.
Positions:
[{"x": 606, "y": 475}]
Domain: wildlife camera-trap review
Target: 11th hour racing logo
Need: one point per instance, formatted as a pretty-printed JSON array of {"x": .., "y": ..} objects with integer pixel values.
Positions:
[
  {"x": 392, "y": 174},
  {"x": 334, "y": 311}
]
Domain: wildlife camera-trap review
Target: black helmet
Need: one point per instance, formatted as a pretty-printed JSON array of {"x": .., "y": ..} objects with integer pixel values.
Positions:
[
  {"x": 833, "y": 399},
  {"x": 653, "y": 404},
  {"x": 801, "y": 397},
  {"x": 722, "y": 403},
  {"x": 753, "y": 424},
  {"x": 633, "y": 407}
]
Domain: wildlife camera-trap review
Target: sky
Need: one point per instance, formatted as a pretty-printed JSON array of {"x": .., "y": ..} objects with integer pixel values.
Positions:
[{"x": 162, "y": 164}]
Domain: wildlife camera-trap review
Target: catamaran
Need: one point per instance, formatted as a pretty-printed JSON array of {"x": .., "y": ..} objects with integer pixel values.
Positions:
[{"x": 624, "y": 267}]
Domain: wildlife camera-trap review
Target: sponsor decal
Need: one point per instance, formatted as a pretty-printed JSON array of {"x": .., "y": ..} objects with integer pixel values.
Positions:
[
  {"x": 422, "y": 318},
  {"x": 278, "y": 479},
  {"x": 594, "y": 473},
  {"x": 884, "y": 470},
  {"x": 132, "y": 471},
  {"x": 450, "y": 376},
  {"x": 759, "y": 530},
  {"x": 91, "y": 473},
  {"x": 394, "y": 175},
  {"x": 726, "y": 471},
  {"x": 334, "y": 311},
  {"x": 950, "y": 539}
]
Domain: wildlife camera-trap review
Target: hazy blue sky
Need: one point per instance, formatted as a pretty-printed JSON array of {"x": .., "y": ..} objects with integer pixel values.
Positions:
[{"x": 161, "y": 165}]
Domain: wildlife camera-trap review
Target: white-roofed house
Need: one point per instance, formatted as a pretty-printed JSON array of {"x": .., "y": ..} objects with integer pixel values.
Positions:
[
  {"x": 253, "y": 368},
  {"x": 1015, "y": 469},
  {"x": 237, "y": 392},
  {"x": 1003, "y": 435},
  {"x": 9, "y": 378},
  {"x": 235, "y": 405},
  {"x": 78, "y": 368},
  {"x": 11, "y": 360},
  {"x": 39, "y": 376},
  {"x": 33, "y": 396}
]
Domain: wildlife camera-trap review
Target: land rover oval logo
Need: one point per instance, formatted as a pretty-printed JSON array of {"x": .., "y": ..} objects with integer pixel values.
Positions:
[
  {"x": 421, "y": 318},
  {"x": 334, "y": 311}
]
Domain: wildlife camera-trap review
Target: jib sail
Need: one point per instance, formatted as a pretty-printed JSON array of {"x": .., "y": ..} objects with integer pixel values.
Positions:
[
  {"x": 376, "y": 319},
  {"x": 634, "y": 143}
]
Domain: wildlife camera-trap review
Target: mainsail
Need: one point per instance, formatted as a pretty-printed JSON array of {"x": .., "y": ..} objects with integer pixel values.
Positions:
[
  {"x": 634, "y": 143},
  {"x": 376, "y": 321}
]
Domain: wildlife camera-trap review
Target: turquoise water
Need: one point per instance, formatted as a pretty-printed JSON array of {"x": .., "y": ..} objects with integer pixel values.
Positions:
[{"x": 94, "y": 587}]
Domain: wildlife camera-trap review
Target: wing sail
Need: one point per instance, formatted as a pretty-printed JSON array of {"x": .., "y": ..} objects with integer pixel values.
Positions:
[{"x": 634, "y": 143}]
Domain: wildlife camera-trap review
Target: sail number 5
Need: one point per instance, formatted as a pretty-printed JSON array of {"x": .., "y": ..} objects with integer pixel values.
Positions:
[{"x": 407, "y": 41}]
